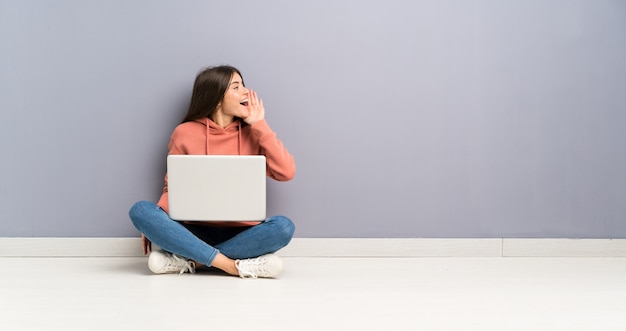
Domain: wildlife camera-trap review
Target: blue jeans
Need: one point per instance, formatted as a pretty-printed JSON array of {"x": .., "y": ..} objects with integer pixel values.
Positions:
[{"x": 202, "y": 244}]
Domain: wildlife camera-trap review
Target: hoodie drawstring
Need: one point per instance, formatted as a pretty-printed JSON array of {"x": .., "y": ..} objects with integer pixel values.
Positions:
[
  {"x": 207, "y": 136},
  {"x": 239, "y": 138}
]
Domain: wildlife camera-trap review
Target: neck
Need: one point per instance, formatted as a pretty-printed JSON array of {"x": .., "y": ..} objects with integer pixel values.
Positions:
[{"x": 222, "y": 120}]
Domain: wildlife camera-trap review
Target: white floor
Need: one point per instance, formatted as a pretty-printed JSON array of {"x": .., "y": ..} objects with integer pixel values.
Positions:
[{"x": 318, "y": 294}]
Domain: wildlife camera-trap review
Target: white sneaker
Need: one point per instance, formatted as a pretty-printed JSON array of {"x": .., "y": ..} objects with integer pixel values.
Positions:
[
  {"x": 268, "y": 266},
  {"x": 161, "y": 262}
]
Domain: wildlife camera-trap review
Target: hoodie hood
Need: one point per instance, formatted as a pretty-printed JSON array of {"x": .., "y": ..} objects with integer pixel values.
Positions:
[{"x": 214, "y": 129}]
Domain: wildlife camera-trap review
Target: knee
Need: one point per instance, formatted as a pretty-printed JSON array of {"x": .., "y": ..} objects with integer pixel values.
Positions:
[
  {"x": 284, "y": 226},
  {"x": 139, "y": 211}
]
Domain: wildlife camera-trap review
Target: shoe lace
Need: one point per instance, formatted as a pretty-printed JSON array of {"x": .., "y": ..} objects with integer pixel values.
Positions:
[
  {"x": 184, "y": 264},
  {"x": 251, "y": 268}
]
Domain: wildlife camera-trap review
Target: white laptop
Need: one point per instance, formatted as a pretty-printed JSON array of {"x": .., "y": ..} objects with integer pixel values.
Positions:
[{"x": 216, "y": 187}]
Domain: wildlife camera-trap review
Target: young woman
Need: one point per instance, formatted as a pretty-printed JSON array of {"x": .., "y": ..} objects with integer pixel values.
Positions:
[{"x": 224, "y": 117}]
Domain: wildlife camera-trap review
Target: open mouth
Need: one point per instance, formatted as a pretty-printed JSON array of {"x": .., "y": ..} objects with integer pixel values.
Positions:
[{"x": 244, "y": 103}]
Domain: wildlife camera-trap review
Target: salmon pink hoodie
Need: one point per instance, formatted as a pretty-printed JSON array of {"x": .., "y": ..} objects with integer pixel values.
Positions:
[{"x": 205, "y": 137}]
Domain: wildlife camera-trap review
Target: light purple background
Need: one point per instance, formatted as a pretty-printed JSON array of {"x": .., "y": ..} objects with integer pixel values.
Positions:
[{"x": 407, "y": 118}]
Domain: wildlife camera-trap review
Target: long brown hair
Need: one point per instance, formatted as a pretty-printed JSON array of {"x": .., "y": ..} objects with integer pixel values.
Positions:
[{"x": 208, "y": 91}]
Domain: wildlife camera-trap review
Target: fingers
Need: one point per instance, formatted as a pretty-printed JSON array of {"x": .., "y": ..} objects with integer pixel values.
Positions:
[
  {"x": 253, "y": 98},
  {"x": 255, "y": 105},
  {"x": 146, "y": 244}
]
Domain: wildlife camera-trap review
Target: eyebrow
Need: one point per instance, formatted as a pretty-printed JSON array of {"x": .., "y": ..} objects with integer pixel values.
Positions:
[{"x": 235, "y": 82}]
